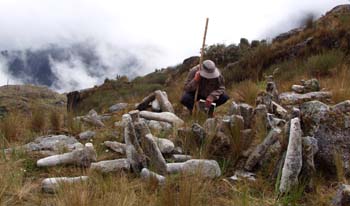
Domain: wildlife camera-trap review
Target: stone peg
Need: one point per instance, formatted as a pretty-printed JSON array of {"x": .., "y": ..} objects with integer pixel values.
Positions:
[
  {"x": 260, "y": 151},
  {"x": 153, "y": 154},
  {"x": 51, "y": 185},
  {"x": 148, "y": 175},
  {"x": 293, "y": 162},
  {"x": 165, "y": 105},
  {"x": 290, "y": 98},
  {"x": 163, "y": 116},
  {"x": 111, "y": 166},
  {"x": 134, "y": 152},
  {"x": 116, "y": 146},
  {"x": 80, "y": 157}
]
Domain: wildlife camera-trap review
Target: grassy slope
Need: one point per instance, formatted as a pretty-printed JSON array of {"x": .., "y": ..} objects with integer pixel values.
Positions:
[{"x": 21, "y": 183}]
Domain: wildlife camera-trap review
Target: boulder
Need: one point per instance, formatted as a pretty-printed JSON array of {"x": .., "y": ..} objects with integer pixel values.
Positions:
[
  {"x": 298, "y": 89},
  {"x": 293, "y": 162},
  {"x": 159, "y": 126},
  {"x": 111, "y": 166},
  {"x": 51, "y": 185},
  {"x": 312, "y": 114},
  {"x": 290, "y": 98},
  {"x": 52, "y": 143},
  {"x": 205, "y": 168},
  {"x": 342, "y": 197},
  {"x": 165, "y": 105},
  {"x": 118, "y": 107},
  {"x": 80, "y": 157},
  {"x": 343, "y": 107},
  {"x": 87, "y": 135}
]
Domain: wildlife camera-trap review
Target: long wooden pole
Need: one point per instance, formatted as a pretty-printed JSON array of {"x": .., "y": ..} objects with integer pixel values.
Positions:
[{"x": 195, "y": 109}]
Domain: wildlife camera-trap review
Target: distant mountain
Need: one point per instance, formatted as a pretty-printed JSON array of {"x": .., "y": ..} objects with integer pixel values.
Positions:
[{"x": 38, "y": 66}]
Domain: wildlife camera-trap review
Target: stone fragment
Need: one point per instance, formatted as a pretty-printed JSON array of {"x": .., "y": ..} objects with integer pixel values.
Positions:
[
  {"x": 311, "y": 85},
  {"x": 148, "y": 175},
  {"x": 118, "y": 107},
  {"x": 279, "y": 110},
  {"x": 313, "y": 113},
  {"x": 116, "y": 146},
  {"x": 51, "y": 185},
  {"x": 87, "y": 135},
  {"x": 175, "y": 168},
  {"x": 80, "y": 157},
  {"x": 293, "y": 162},
  {"x": 310, "y": 148},
  {"x": 144, "y": 104},
  {"x": 234, "y": 109},
  {"x": 199, "y": 132},
  {"x": 159, "y": 126},
  {"x": 111, "y": 166},
  {"x": 259, "y": 152}
]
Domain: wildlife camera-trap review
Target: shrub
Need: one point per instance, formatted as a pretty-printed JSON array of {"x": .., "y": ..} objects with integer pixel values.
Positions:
[
  {"x": 38, "y": 121},
  {"x": 55, "y": 120},
  {"x": 322, "y": 64}
]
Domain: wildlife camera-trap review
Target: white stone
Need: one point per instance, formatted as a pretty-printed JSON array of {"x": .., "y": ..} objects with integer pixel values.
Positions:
[{"x": 50, "y": 185}]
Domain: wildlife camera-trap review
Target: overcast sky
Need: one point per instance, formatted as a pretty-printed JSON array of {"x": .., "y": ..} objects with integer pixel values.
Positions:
[{"x": 173, "y": 28}]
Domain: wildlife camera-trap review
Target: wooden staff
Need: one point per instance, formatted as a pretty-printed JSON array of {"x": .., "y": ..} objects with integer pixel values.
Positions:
[{"x": 195, "y": 109}]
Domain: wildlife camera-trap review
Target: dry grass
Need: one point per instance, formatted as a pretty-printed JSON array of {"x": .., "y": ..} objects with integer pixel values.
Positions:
[
  {"x": 55, "y": 120},
  {"x": 38, "y": 120},
  {"x": 246, "y": 91},
  {"x": 338, "y": 84}
]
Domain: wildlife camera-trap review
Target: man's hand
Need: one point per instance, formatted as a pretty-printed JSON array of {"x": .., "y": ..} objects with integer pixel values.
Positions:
[
  {"x": 197, "y": 76},
  {"x": 208, "y": 101}
]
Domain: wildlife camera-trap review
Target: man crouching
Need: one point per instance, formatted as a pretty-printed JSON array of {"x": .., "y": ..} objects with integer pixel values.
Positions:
[{"x": 211, "y": 86}]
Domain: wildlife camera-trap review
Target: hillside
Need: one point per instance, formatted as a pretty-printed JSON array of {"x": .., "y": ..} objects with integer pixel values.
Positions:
[{"x": 280, "y": 140}]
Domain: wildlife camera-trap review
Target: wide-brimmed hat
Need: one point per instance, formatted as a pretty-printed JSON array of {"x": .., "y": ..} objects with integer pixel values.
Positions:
[{"x": 209, "y": 70}]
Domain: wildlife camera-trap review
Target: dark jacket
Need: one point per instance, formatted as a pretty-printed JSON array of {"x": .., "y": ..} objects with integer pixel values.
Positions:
[{"x": 213, "y": 87}]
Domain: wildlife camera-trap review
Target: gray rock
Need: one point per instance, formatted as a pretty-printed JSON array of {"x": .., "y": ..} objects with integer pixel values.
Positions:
[
  {"x": 293, "y": 162},
  {"x": 279, "y": 110},
  {"x": 111, "y": 166},
  {"x": 51, "y": 185},
  {"x": 116, "y": 147},
  {"x": 205, "y": 168},
  {"x": 118, "y": 107},
  {"x": 234, "y": 109},
  {"x": 342, "y": 197},
  {"x": 80, "y": 157},
  {"x": 310, "y": 148},
  {"x": 87, "y": 135},
  {"x": 148, "y": 175},
  {"x": 175, "y": 168}
]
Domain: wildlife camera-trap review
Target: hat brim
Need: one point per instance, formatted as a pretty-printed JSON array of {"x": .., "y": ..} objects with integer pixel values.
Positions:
[{"x": 212, "y": 75}]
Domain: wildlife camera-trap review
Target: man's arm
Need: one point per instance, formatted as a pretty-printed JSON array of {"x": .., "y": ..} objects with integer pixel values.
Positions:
[
  {"x": 191, "y": 83},
  {"x": 215, "y": 95}
]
